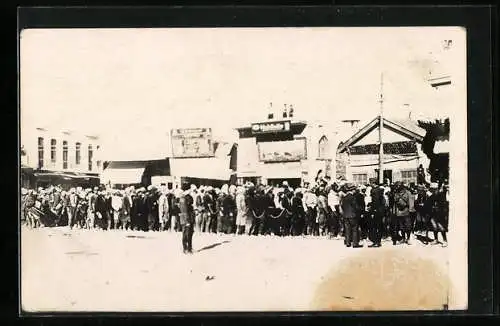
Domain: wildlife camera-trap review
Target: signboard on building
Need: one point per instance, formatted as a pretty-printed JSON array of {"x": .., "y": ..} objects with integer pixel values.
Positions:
[
  {"x": 192, "y": 142},
  {"x": 283, "y": 151},
  {"x": 270, "y": 127}
]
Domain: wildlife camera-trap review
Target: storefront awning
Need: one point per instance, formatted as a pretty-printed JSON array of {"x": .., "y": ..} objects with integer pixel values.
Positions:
[
  {"x": 122, "y": 176},
  {"x": 211, "y": 168}
]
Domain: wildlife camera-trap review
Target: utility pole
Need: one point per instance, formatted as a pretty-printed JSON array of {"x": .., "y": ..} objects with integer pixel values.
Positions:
[{"x": 380, "y": 127}]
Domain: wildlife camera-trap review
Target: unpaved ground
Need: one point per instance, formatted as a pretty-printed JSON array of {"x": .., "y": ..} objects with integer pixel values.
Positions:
[{"x": 79, "y": 270}]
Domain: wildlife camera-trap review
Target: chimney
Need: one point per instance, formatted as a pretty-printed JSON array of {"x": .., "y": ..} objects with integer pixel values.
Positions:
[
  {"x": 285, "y": 112},
  {"x": 270, "y": 115},
  {"x": 290, "y": 111},
  {"x": 407, "y": 110}
]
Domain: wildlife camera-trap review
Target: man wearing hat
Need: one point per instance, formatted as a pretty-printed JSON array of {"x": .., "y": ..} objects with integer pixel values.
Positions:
[
  {"x": 187, "y": 221},
  {"x": 153, "y": 211},
  {"x": 350, "y": 212}
]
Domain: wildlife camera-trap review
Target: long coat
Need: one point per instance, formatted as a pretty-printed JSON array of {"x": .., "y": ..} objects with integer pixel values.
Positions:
[
  {"x": 349, "y": 206},
  {"x": 242, "y": 209}
]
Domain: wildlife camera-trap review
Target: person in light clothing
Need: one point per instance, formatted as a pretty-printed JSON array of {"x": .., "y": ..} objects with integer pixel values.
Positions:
[
  {"x": 116, "y": 204},
  {"x": 241, "y": 209},
  {"x": 163, "y": 210}
]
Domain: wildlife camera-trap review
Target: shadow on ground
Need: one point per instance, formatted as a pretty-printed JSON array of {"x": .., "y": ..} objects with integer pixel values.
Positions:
[{"x": 213, "y": 245}]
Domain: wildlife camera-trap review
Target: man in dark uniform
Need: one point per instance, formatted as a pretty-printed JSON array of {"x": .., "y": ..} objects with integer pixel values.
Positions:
[
  {"x": 270, "y": 205},
  {"x": 258, "y": 210},
  {"x": 142, "y": 210},
  {"x": 298, "y": 214},
  {"x": 350, "y": 211},
  {"x": 101, "y": 210},
  {"x": 286, "y": 204},
  {"x": 134, "y": 210},
  {"x": 377, "y": 212},
  {"x": 152, "y": 202},
  {"x": 210, "y": 210},
  {"x": 187, "y": 221}
]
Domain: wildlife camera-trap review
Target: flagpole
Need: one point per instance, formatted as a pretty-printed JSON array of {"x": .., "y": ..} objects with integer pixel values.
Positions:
[{"x": 380, "y": 127}]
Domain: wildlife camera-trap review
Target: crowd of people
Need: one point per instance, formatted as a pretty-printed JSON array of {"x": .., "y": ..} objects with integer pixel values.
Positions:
[{"x": 356, "y": 213}]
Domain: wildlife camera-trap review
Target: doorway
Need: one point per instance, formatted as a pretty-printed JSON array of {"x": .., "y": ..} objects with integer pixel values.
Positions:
[{"x": 387, "y": 175}]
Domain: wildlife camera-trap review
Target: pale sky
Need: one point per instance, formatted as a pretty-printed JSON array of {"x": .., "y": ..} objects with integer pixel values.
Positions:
[{"x": 133, "y": 85}]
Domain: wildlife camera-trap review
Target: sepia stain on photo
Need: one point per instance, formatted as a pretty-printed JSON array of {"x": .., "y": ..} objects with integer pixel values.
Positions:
[{"x": 243, "y": 169}]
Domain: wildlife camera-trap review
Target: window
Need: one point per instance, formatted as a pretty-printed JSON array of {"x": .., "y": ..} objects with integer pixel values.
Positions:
[
  {"x": 323, "y": 152},
  {"x": 77, "y": 153},
  {"x": 40, "y": 152},
  {"x": 65, "y": 154},
  {"x": 91, "y": 153},
  {"x": 53, "y": 151},
  {"x": 409, "y": 176},
  {"x": 360, "y": 178}
]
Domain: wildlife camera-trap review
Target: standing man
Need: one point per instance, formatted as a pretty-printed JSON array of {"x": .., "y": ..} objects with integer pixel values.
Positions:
[
  {"x": 377, "y": 213},
  {"x": 163, "y": 209},
  {"x": 117, "y": 205},
  {"x": 351, "y": 218},
  {"x": 402, "y": 207},
  {"x": 322, "y": 211},
  {"x": 187, "y": 221},
  {"x": 210, "y": 211},
  {"x": 71, "y": 209},
  {"x": 199, "y": 207},
  {"x": 438, "y": 214},
  {"x": 242, "y": 210},
  {"x": 310, "y": 202}
]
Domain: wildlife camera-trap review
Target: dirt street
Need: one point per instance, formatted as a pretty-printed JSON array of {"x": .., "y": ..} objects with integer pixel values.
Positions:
[{"x": 79, "y": 270}]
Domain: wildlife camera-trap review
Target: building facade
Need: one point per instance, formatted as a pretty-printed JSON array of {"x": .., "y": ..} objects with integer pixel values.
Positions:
[
  {"x": 68, "y": 154},
  {"x": 402, "y": 148},
  {"x": 188, "y": 156},
  {"x": 284, "y": 149}
]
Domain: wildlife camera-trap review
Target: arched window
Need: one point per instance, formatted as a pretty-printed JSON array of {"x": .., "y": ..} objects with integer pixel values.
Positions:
[{"x": 323, "y": 150}]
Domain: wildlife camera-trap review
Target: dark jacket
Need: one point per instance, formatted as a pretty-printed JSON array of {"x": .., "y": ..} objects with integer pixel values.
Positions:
[
  {"x": 186, "y": 209},
  {"x": 378, "y": 200},
  {"x": 349, "y": 206},
  {"x": 127, "y": 205}
]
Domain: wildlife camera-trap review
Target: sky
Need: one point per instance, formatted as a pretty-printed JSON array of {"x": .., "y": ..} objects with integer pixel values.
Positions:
[{"x": 131, "y": 86}]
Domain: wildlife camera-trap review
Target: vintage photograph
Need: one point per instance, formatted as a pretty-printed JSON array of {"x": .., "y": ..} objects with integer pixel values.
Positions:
[{"x": 243, "y": 169}]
